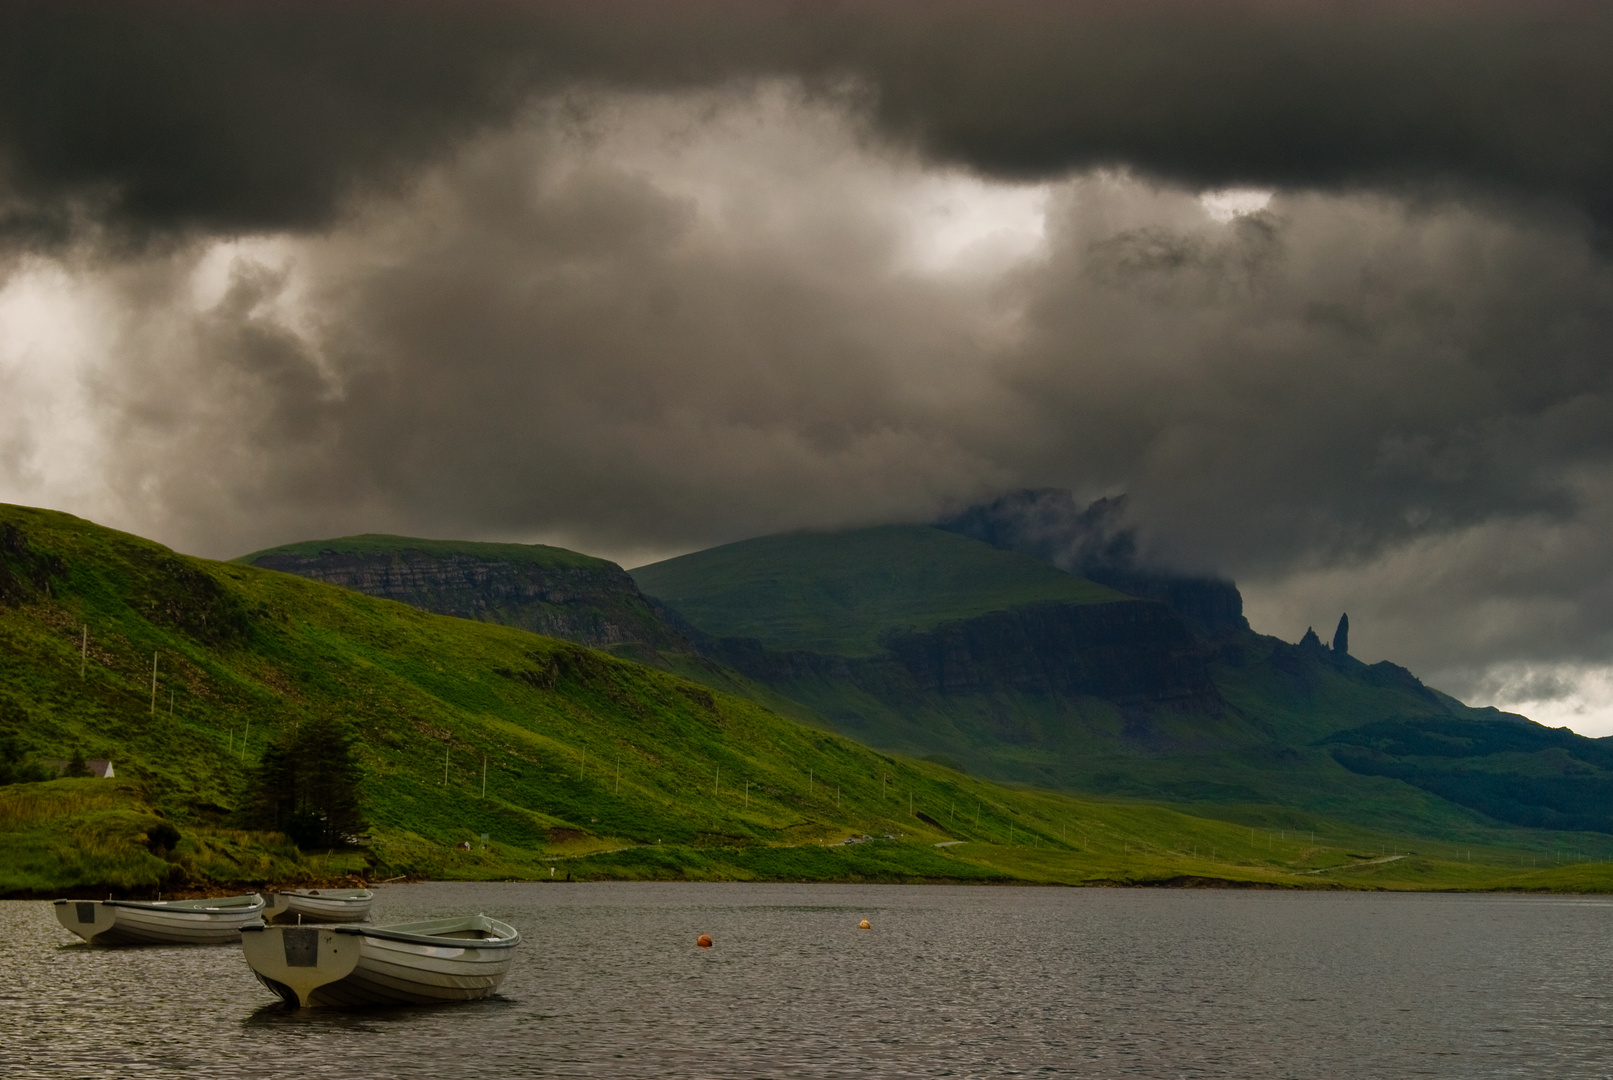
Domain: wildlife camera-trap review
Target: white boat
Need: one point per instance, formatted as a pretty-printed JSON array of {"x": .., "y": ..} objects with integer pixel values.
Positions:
[
  {"x": 216, "y": 920},
  {"x": 319, "y": 906},
  {"x": 422, "y": 963}
]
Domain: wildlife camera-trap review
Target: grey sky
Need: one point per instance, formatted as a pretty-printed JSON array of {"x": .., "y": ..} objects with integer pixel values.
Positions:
[{"x": 646, "y": 283}]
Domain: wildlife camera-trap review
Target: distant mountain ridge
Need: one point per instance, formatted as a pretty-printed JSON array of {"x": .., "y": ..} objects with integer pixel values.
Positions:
[
  {"x": 1092, "y": 542},
  {"x": 1165, "y": 693},
  {"x": 883, "y": 630},
  {"x": 847, "y": 593},
  {"x": 970, "y": 642},
  {"x": 526, "y": 750},
  {"x": 547, "y": 590},
  {"x": 1049, "y": 659}
]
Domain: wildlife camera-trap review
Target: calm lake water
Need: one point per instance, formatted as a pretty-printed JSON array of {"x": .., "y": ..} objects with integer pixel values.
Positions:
[{"x": 951, "y": 982}]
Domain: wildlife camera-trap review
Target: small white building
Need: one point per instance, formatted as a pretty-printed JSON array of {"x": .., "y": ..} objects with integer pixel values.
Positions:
[{"x": 100, "y": 768}]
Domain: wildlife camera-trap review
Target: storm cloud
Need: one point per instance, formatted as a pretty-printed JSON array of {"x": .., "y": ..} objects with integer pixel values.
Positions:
[
  {"x": 269, "y": 115},
  {"x": 1325, "y": 289}
]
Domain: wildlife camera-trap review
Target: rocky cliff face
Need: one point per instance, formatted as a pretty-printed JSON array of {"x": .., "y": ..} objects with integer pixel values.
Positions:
[
  {"x": 1125, "y": 652},
  {"x": 596, "y": 604},
  {"x": 1213, "y": 608},
  {"x": 1131, "y": 654}
]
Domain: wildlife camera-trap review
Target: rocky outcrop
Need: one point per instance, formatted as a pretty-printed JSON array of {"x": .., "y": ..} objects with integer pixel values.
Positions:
[
  {"x": 1341, "y": 636},
  {"x": 1310, "y": 657},
  {"x": 594, "y": 604},
  {"x": 1211, "y": 607}
]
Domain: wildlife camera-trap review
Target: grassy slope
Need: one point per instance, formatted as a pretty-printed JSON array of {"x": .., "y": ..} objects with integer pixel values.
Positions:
[
  {"x": 842, "y": 593},
  {"x": 594, "y": 765},
  {"x": 1215, "y": 764},
  {"x": 72, "y": 835}
]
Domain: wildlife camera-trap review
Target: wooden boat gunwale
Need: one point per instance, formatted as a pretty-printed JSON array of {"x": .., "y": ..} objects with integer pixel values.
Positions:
[
  {"x": 344, "y": 895},
  {"x": 414, "y": 933},
  {"x": 228, "y": 904}
]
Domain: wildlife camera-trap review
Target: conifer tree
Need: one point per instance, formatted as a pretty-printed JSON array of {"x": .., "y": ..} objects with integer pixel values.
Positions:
[
  {"x": 307, "y": 785},
  {"x": 15, "y": 767}
]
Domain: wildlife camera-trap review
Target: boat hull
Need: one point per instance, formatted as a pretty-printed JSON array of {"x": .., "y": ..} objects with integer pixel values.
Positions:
[
  {"x": 322, "y": 967},
  {"x": 121, "y": 922},
  {"x": 319, "y": 906}
]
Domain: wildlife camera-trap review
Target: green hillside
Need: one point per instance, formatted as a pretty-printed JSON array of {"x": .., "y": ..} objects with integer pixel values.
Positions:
[
  {"x": 594, "y": 767},
  {"x": 930, "y": 644},
  {"x": 845, "y": 593}
]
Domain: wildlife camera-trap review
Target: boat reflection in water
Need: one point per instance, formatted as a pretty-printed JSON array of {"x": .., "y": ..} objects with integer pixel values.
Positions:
[{"x": 419, "y": 963}]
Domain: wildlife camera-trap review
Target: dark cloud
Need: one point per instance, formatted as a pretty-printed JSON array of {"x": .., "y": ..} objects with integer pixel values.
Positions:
[
  {"x": 269, "y": 115},
  {"x": 1509, "y": 96},
  {"x": 1345, "y": 402},
  {"x": 553, "y": 334},
  {"x": 238, "y": 116},
  {"x": 1346, "y": 372},
  {"x": 645, "y": 278},
  {"x": 557, "y": 332}
]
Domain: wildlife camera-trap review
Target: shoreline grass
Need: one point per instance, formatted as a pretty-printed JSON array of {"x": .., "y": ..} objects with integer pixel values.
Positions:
[{"x": 88, "y": 837}]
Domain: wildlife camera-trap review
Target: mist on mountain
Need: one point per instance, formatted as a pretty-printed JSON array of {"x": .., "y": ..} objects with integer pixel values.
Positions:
[{"x": 1097, "y": 543}]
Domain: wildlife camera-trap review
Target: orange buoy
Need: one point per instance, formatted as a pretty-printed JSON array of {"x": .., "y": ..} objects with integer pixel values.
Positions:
[
  {"x": 704, "y": 941},
  {"x": 865, "y": 925}
]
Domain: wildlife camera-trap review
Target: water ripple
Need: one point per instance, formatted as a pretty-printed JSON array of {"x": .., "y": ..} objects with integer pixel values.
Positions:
[{"x": 951, "y": 982}]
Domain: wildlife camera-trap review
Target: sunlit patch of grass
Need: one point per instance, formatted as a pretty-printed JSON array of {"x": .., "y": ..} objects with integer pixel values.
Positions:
[
  {"x": 233, "y": 856},
  {"x": 27, "y": 806},
  {"x": 67, "y": 833}
]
